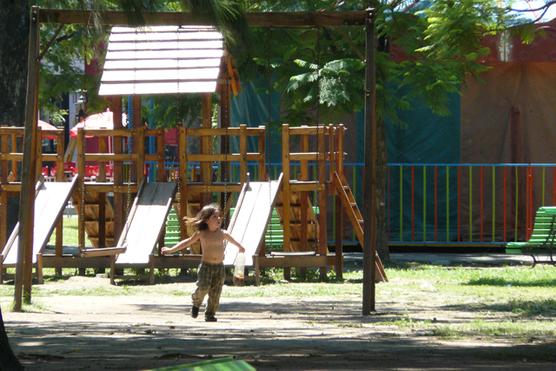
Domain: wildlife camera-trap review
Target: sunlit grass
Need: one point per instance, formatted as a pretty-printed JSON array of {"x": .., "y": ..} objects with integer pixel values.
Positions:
[
  {"x": 70, "y": 234},
  {"x": 510, "y": 302}
]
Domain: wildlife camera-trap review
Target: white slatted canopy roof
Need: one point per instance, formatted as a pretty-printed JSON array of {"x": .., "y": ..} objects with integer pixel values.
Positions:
[{"x": 162, "y": 60}]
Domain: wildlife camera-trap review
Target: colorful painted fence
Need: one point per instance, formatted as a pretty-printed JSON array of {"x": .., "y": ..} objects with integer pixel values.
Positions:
[
  {"x": 436, "y": 204},
  {"x": 472, "y": 204}
]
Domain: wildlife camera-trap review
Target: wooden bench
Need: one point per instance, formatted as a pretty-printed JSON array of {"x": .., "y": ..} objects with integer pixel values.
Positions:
[{"x": 543, "y": 239}]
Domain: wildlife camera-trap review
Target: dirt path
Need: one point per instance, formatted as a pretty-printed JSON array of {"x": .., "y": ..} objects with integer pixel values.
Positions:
[{"x": 141, "y": 332}]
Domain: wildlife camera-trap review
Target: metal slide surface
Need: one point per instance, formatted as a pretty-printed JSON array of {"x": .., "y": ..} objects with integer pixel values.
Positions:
[
  {"x": 145, "y": 222},
  {"x": 50, "y": 200},
  {"x": 251, "y": 216}
]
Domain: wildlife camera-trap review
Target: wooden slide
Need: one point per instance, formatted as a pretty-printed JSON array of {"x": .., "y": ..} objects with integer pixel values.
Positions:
[
  {"x": 145, "y": 222},
  {"x": 251, "y": 216},
  {"x": 50, "y": 200}
]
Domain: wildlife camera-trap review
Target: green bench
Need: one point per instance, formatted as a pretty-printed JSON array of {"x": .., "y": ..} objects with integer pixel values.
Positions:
[{"x": 542, "y": 240}]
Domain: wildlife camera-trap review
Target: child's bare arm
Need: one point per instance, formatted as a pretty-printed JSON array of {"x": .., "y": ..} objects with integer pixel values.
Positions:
[
  {"x": 229, "y": 238},
  {"x": 182, "y": 244}
]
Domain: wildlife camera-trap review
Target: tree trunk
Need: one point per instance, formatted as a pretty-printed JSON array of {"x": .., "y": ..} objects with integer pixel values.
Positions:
[
  {"x": 8, "y": 360},
  {"x": 14, "y": 25},
  {"x": 14, "y": 30}
]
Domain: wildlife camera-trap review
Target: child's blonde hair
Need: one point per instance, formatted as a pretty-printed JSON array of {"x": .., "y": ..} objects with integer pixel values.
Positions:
[{"x": 204, "y": 215}]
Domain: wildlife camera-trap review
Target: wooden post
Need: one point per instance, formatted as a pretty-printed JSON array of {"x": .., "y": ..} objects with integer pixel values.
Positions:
[
  {"x": 243, "y": 153},
  {"x": 304, "y": 175},
  {"x": 137, "y": 123},
  {"x": 225, "y": 123},
  {"x": 161, "y": 175},
  {"x": 38, "y": 153},
  {"x": 60, "y": 177},
  {"x": 24, "y": 268},
  {"x": 206, "y": 148},
  {"x": 339, "y": 258},
  {"x": 102, "y": 148},
  {"x": 14, "y": 169},
  {"x": 182, "y": 177},
  {"x": 139, "y": 138},
  {"x": 369, "y": 179},
  {"x": 116, "y": 107},
  {"x": 286, "y": 185},
  {"x": 81, "y": 187},
  {"x": 286, "y": 192},
  {"x": 262, "y": 150},
  {"x": 323, "y": 197}
]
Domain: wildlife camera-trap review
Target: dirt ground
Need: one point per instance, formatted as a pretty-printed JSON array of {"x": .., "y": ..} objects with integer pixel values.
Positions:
[{"x": 147, "y": 331}]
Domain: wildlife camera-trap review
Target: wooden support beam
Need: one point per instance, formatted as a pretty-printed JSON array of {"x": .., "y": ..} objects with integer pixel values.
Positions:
[
  {"x": 286, "y": 192},
  {"x": 273, "y": 19},
  {"x": 369, "y": 178},
  {"x": 23, "y": 279}
]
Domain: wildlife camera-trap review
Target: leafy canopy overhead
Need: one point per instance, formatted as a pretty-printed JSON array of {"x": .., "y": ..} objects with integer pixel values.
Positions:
[{"x": 425, "y": 48}]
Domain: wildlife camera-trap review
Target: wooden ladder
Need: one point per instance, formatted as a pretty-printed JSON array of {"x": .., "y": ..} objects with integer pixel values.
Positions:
[{"x": 355, "y": 216}]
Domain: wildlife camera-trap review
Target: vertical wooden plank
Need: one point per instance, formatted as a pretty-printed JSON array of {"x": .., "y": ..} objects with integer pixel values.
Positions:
[
  {"x": 117, "y": 147},
  {"x": 24, "y": 268},
  {"x": 14, "y": 163},
  {"x": 304, "y": 196},
  {"x": 340, "y": 158},
  {"x": 224, "y": 91},
  {"x": 81, "y": 187},
  {"x": 60, "y": 177},
  {"x": 262, "y": 151},
  {"x": 38, "y": 153},
  {"x": 182, "y": 179},
  {"x": 136, "y": 123},
  {"x": 206, "y": 148},
  {"x": 286, "y": 186},
  {"x": 102, "y": 148},
  {"x": 243, "y": 153},
  {"x": 161, "y": 174},
  {"x": 323, "y": 195},
  {"x": 139, "y": 144},
  {"x": 331, "y": 132},
  {"x": 339, "y": 248}
]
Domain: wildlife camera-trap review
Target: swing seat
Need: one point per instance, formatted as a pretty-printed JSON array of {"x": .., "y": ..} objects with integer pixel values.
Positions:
[{"x": 103, "y": 251}]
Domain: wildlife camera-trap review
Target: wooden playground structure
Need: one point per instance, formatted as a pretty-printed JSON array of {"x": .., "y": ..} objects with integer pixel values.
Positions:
[
  {"x": 103, "y": 202},
  {"x": 312, "y": 169}
]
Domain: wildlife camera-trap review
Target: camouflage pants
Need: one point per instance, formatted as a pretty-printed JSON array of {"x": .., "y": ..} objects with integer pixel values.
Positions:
[{"x": 210, "y": 279}]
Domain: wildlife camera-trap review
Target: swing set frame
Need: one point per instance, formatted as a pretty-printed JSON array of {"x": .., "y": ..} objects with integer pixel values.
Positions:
[{"x": 23, "y": 281}]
